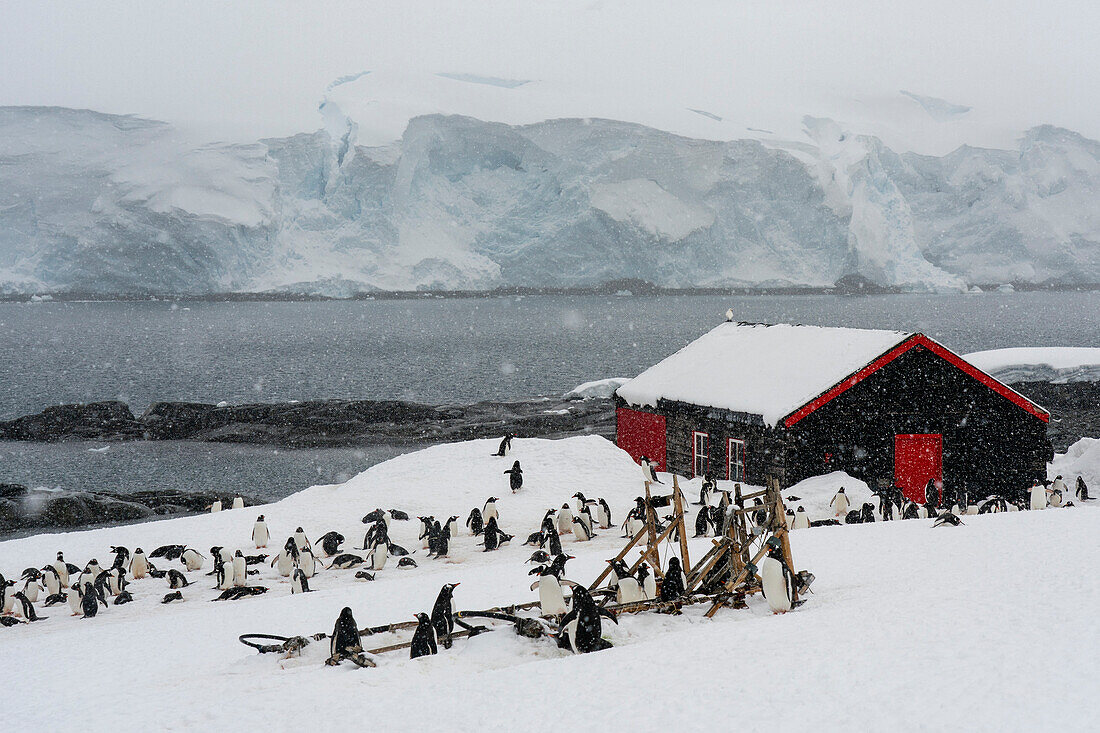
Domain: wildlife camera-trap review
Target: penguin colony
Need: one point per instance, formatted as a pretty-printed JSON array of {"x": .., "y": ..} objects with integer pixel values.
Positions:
[{"x": 170, "y": 573}]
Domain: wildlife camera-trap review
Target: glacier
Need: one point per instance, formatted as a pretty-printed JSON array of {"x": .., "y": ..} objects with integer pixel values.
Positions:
[{"x": 113, "y": 204}]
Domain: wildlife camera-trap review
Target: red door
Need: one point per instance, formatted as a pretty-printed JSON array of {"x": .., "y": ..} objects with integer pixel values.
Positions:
[
  {"x": 641, "y": 434},
  {"x": 917, "y": 459}
]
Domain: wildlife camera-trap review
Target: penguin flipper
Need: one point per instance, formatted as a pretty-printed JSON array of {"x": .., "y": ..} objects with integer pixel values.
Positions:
[{"x": 609, "y": 615}]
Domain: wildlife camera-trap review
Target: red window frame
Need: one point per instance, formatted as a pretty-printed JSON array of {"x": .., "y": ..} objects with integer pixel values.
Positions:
[
  {"x": 730, "y": 463},
  {"x": 696, "y": 455}
]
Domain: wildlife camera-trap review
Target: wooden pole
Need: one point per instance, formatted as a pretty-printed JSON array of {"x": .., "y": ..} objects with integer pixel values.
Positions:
[
  {"x": 599, "y": 579},
  {"x": 678, "y": 497}
]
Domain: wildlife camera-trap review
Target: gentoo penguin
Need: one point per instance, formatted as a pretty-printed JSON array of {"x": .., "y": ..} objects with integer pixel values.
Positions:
[
  {"x": 475, "y": 522},
  {"x": 374, "y": 516},
  {"x": 840, "y": 503},
  {"x": 515, "y": 477},
  {"x": 168, "y": 552},
  {"x": 93, "y": 567},
  {"x": 287, "y": 558},
  {"x": 910, "y": 511},
  {"x": 25, "y": 606},
  {"x": 538, "y": 556},
  {"x": 551, "y": 599},
  {"x": 76, "y": 600},
  {"x": 139, "y": 564},
  {"x": 54, "y": 599},
  {"x": 216, "y": 506},
  {"x": 238, "y": 502},
  {"x": 581, "y": 628},
  {"x": 494, "y": 536},
  {"x": 1058, "y": 485},
  {"x": 801, "y": 519},
  {"x": 426, "y": 526},
  {"x": 31, "y": 588},
  {"x": 378, "y": 556},
  {"x": 122, "y": 557},
  {"x": 564, "y": 519},
  {"x": 634, "y": 523},
  {"x": 674, "y": 583},
  {"x": 451, "y": 527},
  {"x": 300, "y": 539},
  {"x": 6, "y": 595},
  {"x": 51, "y": 579},
  {"x": 260, "y": 535},
  {"x": 866, "y": 514},
  {"x": 1082, "y": 490},
  {"x": 603, "y": 513},
  {"x": 581, "y": 531},
  {"x": 123, "y": 598},
  {"x": 1038, "y": 497},
  {"x": 705, "y": 491},
  {"x": 193, "y": 559},
  {"x": 174, "y": 596},
  {"x": 489, "y": 511},
  {"x": 777, "y": 581},
  {"x": 345, "y": 637},
  {"x": 702, "y": 522},
  {"x": 298, "y": 582},
  {"x": 443, "y": 620},
  {"x": 442, "y": 540},
  {"x": 585, "y": 515},
  {"x": 647, "y": 581},
  {"x": 89, "y": 602},
  {"x": 423, "y": 641},
  {"x": 345, "y": 561},
  {"x": 307, "y": 562},
  {"x": 64, "y": 568},
  {"x": 505, "y": 445},
  {"x": 240, "y": 570},
  {"x": 1055, "y": 498},
  {"x": 553, "y": 542},
  {"x": 223, "y": 571},
  {"x": 330, "y": 543},
  {"x": 947, "y": 519},
  {"x": 649, "y": 471},
  {"x": 628, "y": 589}
]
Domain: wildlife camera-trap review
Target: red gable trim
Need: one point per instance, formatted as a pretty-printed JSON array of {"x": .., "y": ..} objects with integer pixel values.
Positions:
[{"x": 910, "y": 343}]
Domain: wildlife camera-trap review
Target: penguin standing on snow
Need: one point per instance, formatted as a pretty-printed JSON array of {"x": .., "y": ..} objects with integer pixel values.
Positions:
[
  {"x": 345, "y": 637},
  {"x": 475, "y": 522},
  {"x": 674, "y": 583},
  {"x": 298, "y": 582},
  {"x": 306, "y": 561},
  {"x": 260, "y": 535},
  {"x": 193, "y": 559},
  {"x": 840, "y": 503},
  {"x": 505, "y": 445},
  {"x": 240, "y": 570},
  {"x": 443, "y": 619},
  {"x": 801, "y": 519},
  {"x": 702, "y": 522},
  {"x": 426, "y": 526},
  {"x": 515, "y": 477},
  {"x": 777, "y": 581},
  {"x": 627, "y": 589},
  {"x": 139, "y": 564},
  {"x": 216, "y": 506},
  {"x": 1038, "y": 497},
  {"x": 451, "y": 527},
  {"x": 51, "y": 580},
  {"x": 649, "y": 471},
  {"x": 551, "y": 598},
  {"x": 581, "y": 629},
  {"x": 564, "y": 519},
  {"x": 238, "y": 502},
  {"x": 89, "y": 602},
  {"x": 647, "y": 581},
  {"x": 494, "y": 536},
  {"x": 378, "y": 555},
  {"x": 489, "y": 511},
  {"x": 176, "y": 579},
  {"x": 301, "y": 540},
  {"x": 31, "y": 576},
  {"x": 603, "y": 514},
  {"x": 423, "y": 641},
  {"x": 1082, "y": 490},
  {"x": 287, "y": 559}
]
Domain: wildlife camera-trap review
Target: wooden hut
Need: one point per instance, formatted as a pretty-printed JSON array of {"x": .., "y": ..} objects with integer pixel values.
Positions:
[{"x": 750, "y": 400}]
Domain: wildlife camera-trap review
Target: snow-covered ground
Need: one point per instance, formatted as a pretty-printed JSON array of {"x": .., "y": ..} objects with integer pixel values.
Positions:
[
  {"x": 985, "y": 626},
  {"x": 602, "y": 388},
  {"x": 1057, "y": 364}
]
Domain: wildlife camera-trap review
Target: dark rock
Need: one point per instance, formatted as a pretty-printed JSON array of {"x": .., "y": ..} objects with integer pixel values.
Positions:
[
  {"x": 8, "y": 491},
  {"x": 91, "y": 421}
]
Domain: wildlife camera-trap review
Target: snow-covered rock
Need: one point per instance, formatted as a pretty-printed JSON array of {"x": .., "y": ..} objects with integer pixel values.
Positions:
[
  {"x": 1082, "y": 459},
  {"x": 1057, "y": 364},
  {"x": 600, "y": 388},
  {"x": 815, "y": 494},
  {"x": 102, "y": 203}
]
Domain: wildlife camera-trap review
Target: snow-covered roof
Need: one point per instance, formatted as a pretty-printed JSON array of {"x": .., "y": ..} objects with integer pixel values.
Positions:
[{"x": 760, "y": 369}]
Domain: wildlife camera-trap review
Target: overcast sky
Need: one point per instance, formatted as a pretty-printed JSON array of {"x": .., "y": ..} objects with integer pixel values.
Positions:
[{"x": 244, "y": 70}]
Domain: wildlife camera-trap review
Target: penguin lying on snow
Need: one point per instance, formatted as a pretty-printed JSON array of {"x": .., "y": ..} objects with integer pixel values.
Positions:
[
  {"x": 947, "y": 518},
  {"x": 363, "y": 575},
  {"x": 241, "y": 591},
  {"x": 406, "y": 562},
  {"x": 580, "y": 629},
  {"x": 399, "y": 515},
  {"x": 345, "y": 561},
  {"x": 169, "y": 597},
  {"x": 330, "y": 543},
  {"x": 168, "y": 552},
  {"x": 176, "y": 579}
]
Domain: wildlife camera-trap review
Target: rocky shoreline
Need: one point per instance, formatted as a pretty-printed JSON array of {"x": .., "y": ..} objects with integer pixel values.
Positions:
[{"x": 314, "y": 424}]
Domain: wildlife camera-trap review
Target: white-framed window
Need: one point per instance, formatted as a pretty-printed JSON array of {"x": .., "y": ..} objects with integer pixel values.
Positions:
[
  {"x": 700, "y": 452},
  {"x": 736, "y": 468}
]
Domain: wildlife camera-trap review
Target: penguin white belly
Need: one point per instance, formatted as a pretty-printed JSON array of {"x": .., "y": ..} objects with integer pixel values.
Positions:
[
  {"x": 285, "y": 564},
  {"x": 452, "y": 528},
  {"x": 490, "y": 513},
  {"x": 238, "y": 502},
  {"x": 629, "y": 591},
  {"x": 113, "y": 584},
  {"x": 74, "y": 601},
  {"x": 650, "y": 587},
  {"x": 634, "y": 527},
  {"x": 260, "y": 535},
  {"x": 308, "y": 564},
  {"x": 192, "y": 560},
  {"x": 381, "y": 552},
  {"x": 53, "y": 585},
  {"x": 62, "y": 572},
  {"x": 565, "y": 521},
  {"x": 139, "y": 568},
  {"x": 601, "y": 517},
  {"x": 240, "y": 571},
  {"x": 9, "y": 601},
  {"x": 1056, "y": 499},
  {"x": 571, "y": 635},
  {"x": 551, "y": 598},
  {"x": 972, "y": 509},
  {"x": 227, "y": 576},
  {"x": 801, "y": 521},
  {"x": 840, "y": 505},
  {"x": 774, "y": 585},
  {"x": 1038, "y": 498},
  {"x": 216, "y": 507},
  {"x": 30, "y": 590}
]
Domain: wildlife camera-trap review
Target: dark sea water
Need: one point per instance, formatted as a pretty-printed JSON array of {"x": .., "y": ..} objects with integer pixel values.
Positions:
[{"x": 430, "y": 350}]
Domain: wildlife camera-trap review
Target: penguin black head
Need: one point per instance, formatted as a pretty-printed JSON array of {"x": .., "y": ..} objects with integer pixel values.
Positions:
[
  {"x": 260, "y": 518},
  {"x": 674, "y": 564},
  {"x": 422, "y": 618},
  {"x": 448, "y": 588},
  {"x": 239, "y": 554},
  {"x": 299, "y": 531},
  {"x": 538, "y": 570}
]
